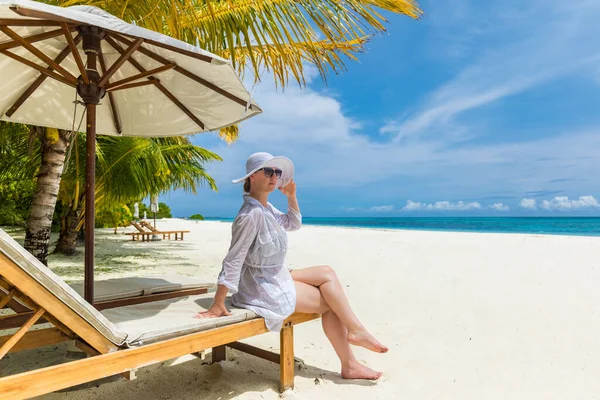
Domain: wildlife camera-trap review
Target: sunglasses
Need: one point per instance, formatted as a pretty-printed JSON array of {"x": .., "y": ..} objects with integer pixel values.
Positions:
[{"x": 270, "y": 171}]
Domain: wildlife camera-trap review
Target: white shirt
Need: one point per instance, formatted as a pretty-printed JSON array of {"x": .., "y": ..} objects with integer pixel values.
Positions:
[{"x": 254, "y": 270}]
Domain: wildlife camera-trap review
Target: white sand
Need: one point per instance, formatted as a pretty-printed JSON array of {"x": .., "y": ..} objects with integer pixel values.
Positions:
[{"x": 466, "y": 316}]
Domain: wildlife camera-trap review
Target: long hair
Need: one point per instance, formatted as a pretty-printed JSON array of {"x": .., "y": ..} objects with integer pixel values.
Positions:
[{"x": 247, "y": 185}]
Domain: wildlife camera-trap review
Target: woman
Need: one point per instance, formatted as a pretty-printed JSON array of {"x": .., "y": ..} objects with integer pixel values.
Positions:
[{"x": 254, "y": 270}]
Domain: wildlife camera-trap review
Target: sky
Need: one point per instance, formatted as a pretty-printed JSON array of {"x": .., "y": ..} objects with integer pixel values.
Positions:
[{"x": 481, "y": 108}]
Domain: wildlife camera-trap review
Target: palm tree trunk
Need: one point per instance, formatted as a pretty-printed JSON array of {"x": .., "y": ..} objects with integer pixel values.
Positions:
[
  {"x": 67, "y": 242},
  {"x": 54, "y": 150}
]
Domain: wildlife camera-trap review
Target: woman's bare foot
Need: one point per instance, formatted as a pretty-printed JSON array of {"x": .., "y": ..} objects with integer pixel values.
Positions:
[
  {"x": 366, "y": 340},
  {"x": 358, "y": 371}
]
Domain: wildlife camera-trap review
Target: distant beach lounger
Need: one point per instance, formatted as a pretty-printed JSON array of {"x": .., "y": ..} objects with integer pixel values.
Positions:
[
  {"x": 121, "y": 339},
  {"x": 146, "y": 231}
]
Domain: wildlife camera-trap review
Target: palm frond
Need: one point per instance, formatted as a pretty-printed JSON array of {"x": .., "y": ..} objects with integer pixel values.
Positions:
[
  {"x": 268, "y": 26},
  {"x": 230, "y": 133},
  {"x": 273, "y": 35},
  {"x": 292, "y": 58},
  {"x": 137, "y": 167},
  {"x": 20, "y": 155}
]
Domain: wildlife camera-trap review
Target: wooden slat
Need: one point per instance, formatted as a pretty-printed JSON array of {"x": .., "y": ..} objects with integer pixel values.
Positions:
[
  {"x": 286, "y": 363},
  {"x": 15, "y": 320},
  {"x": 9, "y": 344},
  {"x": 17, "y": 307},
  {"x": 256, "y": 351},
  {"x": 111, "y": 98},
  {"x": 120, "y": 50},
  {"x": 103, "y": 305},
  {"x": 86, "y": 348},
  {"x": 214, "y": 88},
  {"x": 29, "y": 91},
  {"x": 39, "y": 338},
  {"x": 179, "y": 104},
  {"x": 131, "y": 85},
  {"x": 75, "y": 52},
  {"x": 46, "y": 380},
  {"x": 45, "y": 71},
  {"x": 38, "y": 53},
  {"x": 185, "y": 72},
  {"x": 141, "y": 75},
  {"x": 32, "y": 39},
  {"x": 129, "y": 375},
  {"x": 56, "y": 308},
  {"x": 8, "y": 297},
  {"x": 120, "y": 61},
  {"x": 12, "y": 304}
]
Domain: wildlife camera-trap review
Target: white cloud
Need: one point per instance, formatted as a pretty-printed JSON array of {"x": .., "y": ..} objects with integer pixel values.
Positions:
[
  {"x": 441, "y": 206},
  {"x": 382, "y": 208},
  {"x": 528, "y": 204},
  {"x": 562, "y": 203},
  {"x": 499, "y": 207}
]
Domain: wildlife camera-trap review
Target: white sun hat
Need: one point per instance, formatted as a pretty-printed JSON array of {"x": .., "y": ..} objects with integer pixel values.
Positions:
[{"x": 263, "y": 160}]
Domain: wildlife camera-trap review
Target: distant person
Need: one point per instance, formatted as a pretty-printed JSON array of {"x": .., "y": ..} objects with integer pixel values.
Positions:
[{"x": 254, "y": 269}]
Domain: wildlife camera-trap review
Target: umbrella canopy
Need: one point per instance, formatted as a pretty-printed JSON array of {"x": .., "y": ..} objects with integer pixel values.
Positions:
[
  {"x": 157, "y": 85},
  {"x": 132, "y": 81}
]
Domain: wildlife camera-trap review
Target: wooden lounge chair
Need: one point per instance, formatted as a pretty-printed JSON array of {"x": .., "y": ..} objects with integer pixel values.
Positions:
[
  {"x": 146, "y": 231},
  {"x": 118, "y": 340},
  {"x": 177, "y": 233},
  {"x": 142, "y": 233}
]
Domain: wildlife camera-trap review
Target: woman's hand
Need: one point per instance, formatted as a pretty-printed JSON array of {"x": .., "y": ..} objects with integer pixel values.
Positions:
[
  {"x": 289, "y": 190},
  {"x": 215, "y": 311}
]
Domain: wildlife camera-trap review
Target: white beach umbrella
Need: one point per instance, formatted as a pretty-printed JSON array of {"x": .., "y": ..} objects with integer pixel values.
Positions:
[
  {"x": 154, "y": 85},
  {"x": 154, "y": 203},
  {"x": 154, "y": 209},
  {"x": 157, "y": 85}
]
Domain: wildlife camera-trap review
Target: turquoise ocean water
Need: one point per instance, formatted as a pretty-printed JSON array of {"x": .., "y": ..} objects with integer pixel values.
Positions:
[{"x": 580, "y": 226}]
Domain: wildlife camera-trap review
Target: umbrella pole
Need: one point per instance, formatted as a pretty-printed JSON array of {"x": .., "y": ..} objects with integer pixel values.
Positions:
[
  {"x": 91, "y": 94},
  {"x": 90, "y": 194}
]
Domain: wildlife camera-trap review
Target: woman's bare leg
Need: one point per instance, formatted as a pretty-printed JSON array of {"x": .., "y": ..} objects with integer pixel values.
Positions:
[
  {"x": 327, "y": 281},
  {"x": 310, "y": 300}
]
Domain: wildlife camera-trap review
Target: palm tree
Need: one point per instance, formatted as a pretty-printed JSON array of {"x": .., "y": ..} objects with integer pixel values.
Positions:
[
  {"x": 25, "y": 158},
  {"x": 276, "y": 36},
  {"x": 128, "y": 169},
  {"x": 54, "y": 144}
]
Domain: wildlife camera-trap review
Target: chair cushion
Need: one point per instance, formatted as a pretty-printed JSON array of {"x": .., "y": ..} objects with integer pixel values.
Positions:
[{"x": 159, "y": 320}]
